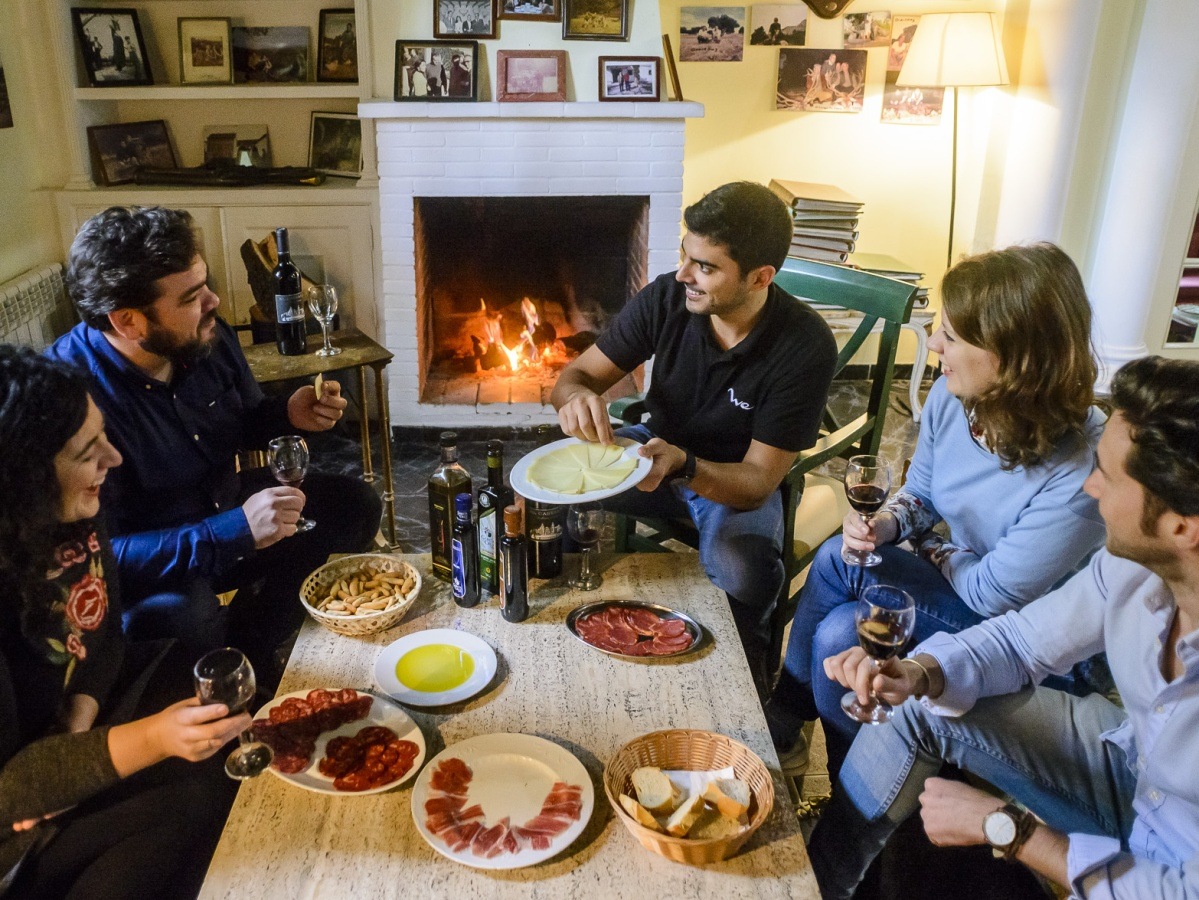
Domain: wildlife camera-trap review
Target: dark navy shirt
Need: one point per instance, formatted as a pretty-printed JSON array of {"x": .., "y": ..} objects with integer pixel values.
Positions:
[
  {"x": 174, "y": 505},
  {"x": 771, "y": 387}
]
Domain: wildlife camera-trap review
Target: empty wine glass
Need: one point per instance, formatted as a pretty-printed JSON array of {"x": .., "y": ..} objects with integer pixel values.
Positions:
[
  {"x": 226, "y": 676},
  {"x": 885, "y": 617},
  {"x": 288, "y": 459},
  {"x": 867, "y": 485},
  {"x": 322, "y": 303},
  {"x": 585, "y": 523}
]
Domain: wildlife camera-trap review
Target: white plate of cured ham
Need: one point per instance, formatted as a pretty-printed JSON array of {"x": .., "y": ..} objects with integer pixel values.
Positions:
[
  {"x": 502, "y": 801},
  {"x": 630, "y": 629}
]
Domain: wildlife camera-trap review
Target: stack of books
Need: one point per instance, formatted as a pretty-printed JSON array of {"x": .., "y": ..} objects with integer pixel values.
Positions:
[
  {"x": 882, "y": 264},
  {"x": 825, "y": 219}
]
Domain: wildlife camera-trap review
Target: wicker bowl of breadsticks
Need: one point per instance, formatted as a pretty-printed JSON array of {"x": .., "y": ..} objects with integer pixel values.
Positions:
[{"x": 361, "y": 594}]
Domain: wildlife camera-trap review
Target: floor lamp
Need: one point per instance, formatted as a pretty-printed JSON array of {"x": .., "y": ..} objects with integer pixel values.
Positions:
[{"x": 954, "y": 50}]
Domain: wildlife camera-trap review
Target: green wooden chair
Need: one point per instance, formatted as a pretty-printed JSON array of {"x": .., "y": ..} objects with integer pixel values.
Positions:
[{"x": 813, "y": 504}]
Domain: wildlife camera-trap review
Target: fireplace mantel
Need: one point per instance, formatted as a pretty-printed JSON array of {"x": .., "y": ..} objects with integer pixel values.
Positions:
[{"x": 387, "y": 109}]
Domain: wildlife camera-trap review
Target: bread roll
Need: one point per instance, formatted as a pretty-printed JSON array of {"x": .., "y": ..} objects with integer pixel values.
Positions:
[
  {"x": 684, "y": 817},
  {"x": 729, "y": 795},
  {"x": 640, "y": 814},
  {"x": 654, "y": 790},
  {"x": 711, "y": 824}
]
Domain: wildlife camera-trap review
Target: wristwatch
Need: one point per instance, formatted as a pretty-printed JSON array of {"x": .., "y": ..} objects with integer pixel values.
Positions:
[
  {"x": 1007, "y": 829},
  {"x": 684, "y": 475}
]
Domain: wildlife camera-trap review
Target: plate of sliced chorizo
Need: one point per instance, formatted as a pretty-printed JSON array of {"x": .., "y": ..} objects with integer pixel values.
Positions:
[
  {"x": 631, "y": 629},
  {"x": 340, "y": 741}
]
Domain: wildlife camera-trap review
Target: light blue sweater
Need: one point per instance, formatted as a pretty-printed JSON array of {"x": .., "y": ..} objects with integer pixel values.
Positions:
[{"x": 1021, "y": 532}]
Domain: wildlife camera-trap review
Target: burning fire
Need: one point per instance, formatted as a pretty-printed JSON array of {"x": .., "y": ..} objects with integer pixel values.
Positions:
[{"x": 536, "y": 345}]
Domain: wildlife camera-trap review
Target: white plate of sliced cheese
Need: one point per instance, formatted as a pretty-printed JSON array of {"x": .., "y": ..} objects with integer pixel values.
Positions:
[{"x": 574, "y": 471}]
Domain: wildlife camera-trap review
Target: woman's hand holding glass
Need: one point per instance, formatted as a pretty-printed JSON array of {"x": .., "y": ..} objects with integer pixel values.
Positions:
[
  {"x": 889, "y": 680},
  {"x": 193, "y": 731},
  {"x": 866, "y": 535}
]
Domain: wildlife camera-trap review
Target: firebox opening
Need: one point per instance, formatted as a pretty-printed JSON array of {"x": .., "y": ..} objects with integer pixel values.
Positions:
[{"x": 511, "y": 289}]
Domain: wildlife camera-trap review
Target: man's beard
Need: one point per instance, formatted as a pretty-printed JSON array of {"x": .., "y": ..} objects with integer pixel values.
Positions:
[{"x": 186, "y": 353}]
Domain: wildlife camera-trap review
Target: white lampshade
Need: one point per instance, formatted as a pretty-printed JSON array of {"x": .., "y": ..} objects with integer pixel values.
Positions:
[{"x": 955, "y": 50}]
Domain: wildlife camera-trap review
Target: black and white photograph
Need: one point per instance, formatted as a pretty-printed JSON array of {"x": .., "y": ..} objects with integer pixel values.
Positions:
[
  {"x": 337, "y": 46},
  {"x": 436, "y": 71},
  {"x": 278, "y": 54},
  {"x": 531, "y": 10},
  {"x": 868, "y": 29},
  {"x": 335, "y": 144},
  {"x": 237, "y": 145},
  {"x": 911, "y": 105},
  {"x": 630, "y": 77},
  {"x": 464, "y": 18},
  {"x": 711, "y": 33},
  {"x": 821, "y": 80},
  {"x": 112, "y": 46},
  {"x": 205, "y": 54},
  {"x": 595, "y": 20},
  {"x": 779, "y": 25},
  {"x": 531, "y": 75},
  {"x": 118, "y": 150},
  {"x": 5, "y": 104}
]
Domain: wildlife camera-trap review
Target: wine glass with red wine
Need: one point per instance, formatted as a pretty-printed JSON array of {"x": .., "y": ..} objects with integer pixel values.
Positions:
[
  {"x": 585, "y": 523},
  {"x": 885, "y": 618},
  {"x": 288, "y": 459},
  {"x": 867, "y": 486},
  {"x": 226, "y": 676}
]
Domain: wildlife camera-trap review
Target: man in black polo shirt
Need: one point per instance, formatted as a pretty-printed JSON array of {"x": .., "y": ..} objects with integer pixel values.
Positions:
[{"x": 740, "y": 377}]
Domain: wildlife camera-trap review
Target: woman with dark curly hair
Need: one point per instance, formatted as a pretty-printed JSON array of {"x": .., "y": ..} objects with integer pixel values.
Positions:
[
  {"x": 96, "y": 799},
  {"x": 1007, "y": 439}
]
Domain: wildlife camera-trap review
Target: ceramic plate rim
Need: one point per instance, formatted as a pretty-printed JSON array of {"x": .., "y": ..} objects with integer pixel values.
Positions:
[
  {"x": 382, "y": 709},
  {"x": 485, "y": 665},
  {"x": 519, "y": 479},
  {"x": 572, "y": 619},
  {"x": 508, "y": 742}
]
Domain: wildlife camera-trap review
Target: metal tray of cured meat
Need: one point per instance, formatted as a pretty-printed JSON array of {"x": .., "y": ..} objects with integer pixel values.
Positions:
[{"x": 694, "y": 629}]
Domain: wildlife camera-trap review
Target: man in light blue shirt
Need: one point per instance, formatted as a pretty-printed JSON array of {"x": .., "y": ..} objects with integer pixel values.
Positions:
[{"x": 1115, "y": 792}]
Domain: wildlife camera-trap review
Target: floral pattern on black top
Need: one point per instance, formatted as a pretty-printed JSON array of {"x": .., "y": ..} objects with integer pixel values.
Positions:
[{"x": 80, "y": 605}]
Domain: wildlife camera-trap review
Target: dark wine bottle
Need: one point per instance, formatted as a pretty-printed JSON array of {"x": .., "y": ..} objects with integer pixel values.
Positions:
[
  {"x": 514, "y": 571},
  {"x": 448, "y": 480},
  {"x": 464, "y": 556},
  {"x": 493, "y": 498},
  {"x": 290, "y": 333},
  {"x": 544, "y": 524}
]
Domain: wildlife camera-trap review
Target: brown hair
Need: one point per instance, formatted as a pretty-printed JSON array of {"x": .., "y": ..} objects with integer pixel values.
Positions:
[{"x": 1028, "y": 306}]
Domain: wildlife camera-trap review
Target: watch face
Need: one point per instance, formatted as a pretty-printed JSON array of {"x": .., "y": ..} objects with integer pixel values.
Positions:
[{"x": 999, "y": 829}]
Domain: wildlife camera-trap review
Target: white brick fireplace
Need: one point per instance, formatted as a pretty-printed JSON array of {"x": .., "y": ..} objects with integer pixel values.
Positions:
[{"x": 581, "y": 149}]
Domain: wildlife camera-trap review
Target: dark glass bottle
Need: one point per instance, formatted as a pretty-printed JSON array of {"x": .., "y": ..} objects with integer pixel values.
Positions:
[
  {"x": 464, "y": 555},
  {"x": 493, "y": 498},
  {"x": 290, "y": 331},
  {"x": 514, "y": 570},
  {"x": 448, "y": 480},
  {"x": 544, "y": 523}
]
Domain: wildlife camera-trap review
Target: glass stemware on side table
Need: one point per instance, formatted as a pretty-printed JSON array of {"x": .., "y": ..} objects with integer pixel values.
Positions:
[
  {"x": 226, "y": 676},
  {"x": 585, "y": 523},
  {"x": 288, "y": 459},
  {"x": 322, "y": 303}
]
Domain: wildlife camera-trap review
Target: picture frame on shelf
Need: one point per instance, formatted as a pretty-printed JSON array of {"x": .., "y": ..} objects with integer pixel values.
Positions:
[
  {"x": 337, "y": 46},
  {"x": 117, "y": 150},
  {"x": 671, "y": 69},
  {"x": 110, "y": 40},
  {"x": 630, "y": 78},
  {"x": 237, "y": 145},
  {"x": 436, "y": 71},
  {"x": 531, "y": 10},
  {"x": 274, "y": 54},
  {"x": 335, "y": 144},
  {"x": 205, "y": 51},
  {"x": 456, "y": 19},
  {"x": 595, "y": 20},
  {"x": 531, "y": 75}
]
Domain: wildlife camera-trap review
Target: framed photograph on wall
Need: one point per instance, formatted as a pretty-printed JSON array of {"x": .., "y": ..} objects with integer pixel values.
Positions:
[
  {"x": 531, "y": 75},
  {"x": 337, "y": 46},
  {"x": 114, "y": 52},
  {"x": 205, "y": 51},
  {"x": 630, "y": 78},
  {"x": 436, "y": 71},
  {"x": 276, "y": 54},
  {"x": 464, "y": 19},
  {"x": 118, "y": 150},
  {"x": 531, "y": 10},
  {"x": 335, "y": 144},
  {"x": 595, "y": 20}
]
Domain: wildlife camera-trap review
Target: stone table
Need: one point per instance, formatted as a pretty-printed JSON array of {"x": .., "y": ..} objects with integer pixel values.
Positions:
[{"x": 282, "y": 841}]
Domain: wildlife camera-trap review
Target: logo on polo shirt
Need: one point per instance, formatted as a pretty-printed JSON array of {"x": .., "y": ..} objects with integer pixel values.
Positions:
[{"x": 738, "y": 403}]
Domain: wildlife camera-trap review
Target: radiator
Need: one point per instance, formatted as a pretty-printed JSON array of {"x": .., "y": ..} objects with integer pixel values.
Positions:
[{"x": 35, "y": 308}]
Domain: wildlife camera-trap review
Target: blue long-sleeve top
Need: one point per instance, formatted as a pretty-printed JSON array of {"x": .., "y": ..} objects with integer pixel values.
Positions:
[{"x": 173, "y": 506}]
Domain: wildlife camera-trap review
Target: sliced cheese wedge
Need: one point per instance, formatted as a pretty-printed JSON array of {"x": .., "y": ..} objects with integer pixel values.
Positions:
[{"x": 580, "y": 468}]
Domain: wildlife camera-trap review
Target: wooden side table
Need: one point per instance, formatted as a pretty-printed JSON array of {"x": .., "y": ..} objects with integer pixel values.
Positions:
[{"x": 358, "y": 352}]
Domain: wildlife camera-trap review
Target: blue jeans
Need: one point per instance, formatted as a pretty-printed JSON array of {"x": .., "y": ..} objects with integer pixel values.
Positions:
[
  {"x": 741, "y": 550},
  {"x": 1039, "y": 745}
]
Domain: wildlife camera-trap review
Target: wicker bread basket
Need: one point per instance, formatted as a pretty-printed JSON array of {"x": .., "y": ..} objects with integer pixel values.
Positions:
[
  {"x": 687, "y": 749},
  {"x": 316, "y": 586}
]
